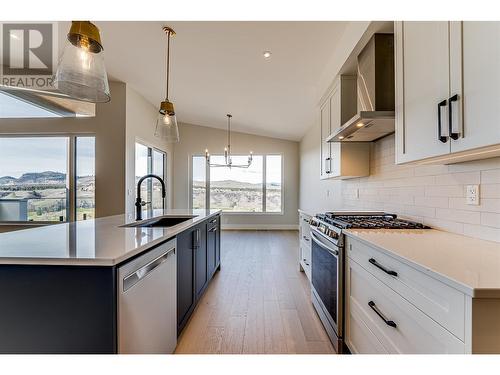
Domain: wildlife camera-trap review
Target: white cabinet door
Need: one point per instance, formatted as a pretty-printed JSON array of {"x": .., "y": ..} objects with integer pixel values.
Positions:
[
  {"x": 422, "y": 75},
  {"x": 325, "y": 147},
  {"x": 335, "y": 122},
  {"x": 481, "y": 86}
]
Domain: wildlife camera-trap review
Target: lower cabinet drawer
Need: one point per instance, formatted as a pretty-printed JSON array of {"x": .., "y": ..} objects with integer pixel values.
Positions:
[
  {"x": 359, "y": 338},
  {"x": 441, "y": 302},
  {"x": 397, "y": 324}
]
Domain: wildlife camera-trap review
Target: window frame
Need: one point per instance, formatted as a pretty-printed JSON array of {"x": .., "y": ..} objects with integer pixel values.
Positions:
[
  {"x": 264, "y": 184},
  {"x": 71, "y": 213},
  {"x": 149, "y": 182}
]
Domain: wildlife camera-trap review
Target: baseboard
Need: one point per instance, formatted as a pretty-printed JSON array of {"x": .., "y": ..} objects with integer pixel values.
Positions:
[{"x": 259, "y": 227}]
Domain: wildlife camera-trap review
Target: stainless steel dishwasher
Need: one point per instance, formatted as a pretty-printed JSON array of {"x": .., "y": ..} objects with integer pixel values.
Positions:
[{"x": 147, "y": 302}]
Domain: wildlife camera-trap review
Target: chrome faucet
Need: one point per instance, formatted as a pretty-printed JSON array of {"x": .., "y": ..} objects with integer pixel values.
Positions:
[{"x": 138, "y": 202}]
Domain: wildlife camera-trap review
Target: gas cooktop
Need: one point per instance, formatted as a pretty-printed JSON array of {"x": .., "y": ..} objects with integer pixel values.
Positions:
[{"x": 367, "y": 220}]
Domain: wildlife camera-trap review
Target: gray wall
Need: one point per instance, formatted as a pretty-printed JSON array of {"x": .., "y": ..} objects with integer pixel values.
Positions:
[
  {"x": 195, "y": 139},
  {"x": 108, "y": 126},
  {"x": 128, "y": 117}
]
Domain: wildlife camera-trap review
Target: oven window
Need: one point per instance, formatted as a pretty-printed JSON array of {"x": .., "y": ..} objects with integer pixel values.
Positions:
[{"x": 324, "y": 278}]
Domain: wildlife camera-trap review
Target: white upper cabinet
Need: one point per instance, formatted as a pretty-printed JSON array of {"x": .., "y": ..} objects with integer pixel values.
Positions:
[
  {"x": 480, "y": 86},
  {"x": 422, "y": 89},
  {"x": 447, "y": 91},
  {"x": 325, "y": 147},
  {"x": 341, "y": 160}
]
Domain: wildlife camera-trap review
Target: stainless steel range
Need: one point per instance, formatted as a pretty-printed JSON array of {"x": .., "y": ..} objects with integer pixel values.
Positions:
[{"x": 328, "y": 259}]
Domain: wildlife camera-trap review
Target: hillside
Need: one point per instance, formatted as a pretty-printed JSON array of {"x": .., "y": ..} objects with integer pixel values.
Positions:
[{"x": 47, "y": 177}]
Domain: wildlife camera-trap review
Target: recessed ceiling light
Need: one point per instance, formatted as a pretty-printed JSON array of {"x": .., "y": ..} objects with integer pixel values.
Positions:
[
  {"x": 360, "y": 125},
  {"x": 266, "y": 54},
  {"x": 341, "y": 137}
]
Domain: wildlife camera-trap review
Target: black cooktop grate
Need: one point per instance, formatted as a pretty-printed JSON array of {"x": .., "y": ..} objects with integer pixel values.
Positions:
[{"x": 385, "y": 221}]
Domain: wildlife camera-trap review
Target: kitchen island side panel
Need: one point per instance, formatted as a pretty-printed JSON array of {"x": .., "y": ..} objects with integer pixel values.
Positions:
[{"x": 57, "y": 309}]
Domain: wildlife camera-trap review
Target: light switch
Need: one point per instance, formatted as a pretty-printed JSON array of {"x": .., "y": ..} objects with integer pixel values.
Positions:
[{"x": 472, "y": 194}]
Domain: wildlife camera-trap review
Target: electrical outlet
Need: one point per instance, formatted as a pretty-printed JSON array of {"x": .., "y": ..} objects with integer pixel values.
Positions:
[{"x": 472, "y": 195}]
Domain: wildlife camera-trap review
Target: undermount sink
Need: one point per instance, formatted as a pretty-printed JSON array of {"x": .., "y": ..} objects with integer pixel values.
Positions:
[{"x": 162, "y": 221}]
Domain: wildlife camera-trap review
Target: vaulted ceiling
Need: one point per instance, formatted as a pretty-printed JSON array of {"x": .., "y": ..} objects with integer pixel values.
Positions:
[{"x": 219, "y": 68}]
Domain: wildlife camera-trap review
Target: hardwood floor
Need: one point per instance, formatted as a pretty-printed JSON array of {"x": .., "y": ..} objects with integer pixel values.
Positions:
[{"x": 258, "y": 302}]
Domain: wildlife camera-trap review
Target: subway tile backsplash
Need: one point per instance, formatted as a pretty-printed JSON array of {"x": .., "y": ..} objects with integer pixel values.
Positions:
[{"x": 431, "y": 194}]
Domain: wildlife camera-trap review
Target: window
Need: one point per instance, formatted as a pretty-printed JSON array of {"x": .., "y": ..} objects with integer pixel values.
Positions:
[
  {"x": 273, "y": 183},
  {"x": 85, "y": 178},
  {"x": 199, "y": 182},
  {"x": 254, "y": 189},
  {"x": 34, "y": 182},
  {"x": 149, "y": 160}
]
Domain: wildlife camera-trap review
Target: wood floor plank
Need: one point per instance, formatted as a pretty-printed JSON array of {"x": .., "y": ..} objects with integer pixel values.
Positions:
[
  {"x": 259, "y": 302},
  {"x": 274, "y": 333}
]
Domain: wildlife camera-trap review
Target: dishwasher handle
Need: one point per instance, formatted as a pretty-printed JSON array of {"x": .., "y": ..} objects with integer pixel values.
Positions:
[{"x": 130, "y": 280}]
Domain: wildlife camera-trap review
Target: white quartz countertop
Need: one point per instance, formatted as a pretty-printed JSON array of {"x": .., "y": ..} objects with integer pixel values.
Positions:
[
  {"x": 468, "y": 264},
  {"x": 99, "y": 242}
]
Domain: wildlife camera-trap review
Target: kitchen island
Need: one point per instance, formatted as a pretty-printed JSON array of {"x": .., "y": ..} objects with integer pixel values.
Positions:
[{"x": 59, "y": 283}]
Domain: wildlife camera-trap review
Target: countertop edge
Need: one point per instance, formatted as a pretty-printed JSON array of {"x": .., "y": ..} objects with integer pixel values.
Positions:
[
  {"x": 91, "y": 262},
  {"x": 468, "y": 290}
]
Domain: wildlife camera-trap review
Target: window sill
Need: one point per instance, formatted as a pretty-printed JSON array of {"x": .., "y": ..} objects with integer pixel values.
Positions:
[{"x": 252, "y": 213}]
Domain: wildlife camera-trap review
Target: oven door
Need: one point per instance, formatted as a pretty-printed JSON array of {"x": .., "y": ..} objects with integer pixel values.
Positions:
[{"x": 327, "y": 278}]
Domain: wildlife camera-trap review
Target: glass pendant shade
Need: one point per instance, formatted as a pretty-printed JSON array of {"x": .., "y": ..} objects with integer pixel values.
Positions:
[
  {"x": 166, "y": 128},
  {"x": 166, "y": 124},
  {"x": 81, "y": 73}
]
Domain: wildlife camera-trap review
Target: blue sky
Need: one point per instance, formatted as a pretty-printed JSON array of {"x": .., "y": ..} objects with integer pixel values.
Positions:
[{"x": 20, "y": 155}]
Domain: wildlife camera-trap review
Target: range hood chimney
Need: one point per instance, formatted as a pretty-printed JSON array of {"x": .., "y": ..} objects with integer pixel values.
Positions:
[{"x": 375, "y": 91}]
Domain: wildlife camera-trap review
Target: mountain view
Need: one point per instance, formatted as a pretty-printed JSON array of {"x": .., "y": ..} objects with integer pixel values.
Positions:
[
  {"x": 229, "y": 195},
  {"x": 45, "y": 195}
]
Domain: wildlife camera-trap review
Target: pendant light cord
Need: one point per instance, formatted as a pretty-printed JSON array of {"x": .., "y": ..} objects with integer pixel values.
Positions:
[
  {"x": 229, "y": 135},
  {"x": 168, "y": 59}
]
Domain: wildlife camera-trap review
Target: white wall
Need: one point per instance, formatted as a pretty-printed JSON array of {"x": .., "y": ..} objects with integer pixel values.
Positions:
[
  {"x": 434, "y": 195},
  {"x": 195, "y": 139},
  {"x": 141, "y": 122}
]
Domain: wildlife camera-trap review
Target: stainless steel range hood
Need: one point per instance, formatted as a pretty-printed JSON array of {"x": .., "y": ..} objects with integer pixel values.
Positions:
[{"x": 375, "y": 89}]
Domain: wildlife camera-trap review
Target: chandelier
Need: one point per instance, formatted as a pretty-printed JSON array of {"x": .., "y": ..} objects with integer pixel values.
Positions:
[{"x": 228, "y": 161}]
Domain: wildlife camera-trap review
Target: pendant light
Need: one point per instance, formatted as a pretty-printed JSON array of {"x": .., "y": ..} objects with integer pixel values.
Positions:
[
  {"x": 81, "y": 73},
  {"x": 166, "y": 124},
  {"x": 228, "y": 161}
]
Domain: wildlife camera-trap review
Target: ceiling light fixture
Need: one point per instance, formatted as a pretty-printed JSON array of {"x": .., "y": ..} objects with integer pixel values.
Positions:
[
  {"x": 360, "y": 125},
  {"x": 267, "y": 54},
  {"x": 166, "y": 124},
  {"x": 81, "y": 73},
  {"x": 228, "y": 161}
]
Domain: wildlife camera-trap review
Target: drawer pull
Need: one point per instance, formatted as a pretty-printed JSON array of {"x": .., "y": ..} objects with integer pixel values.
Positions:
[
  {"x": 389, "y": 272},
  {"x": 305, "y": 238},
  {"x": 377, "y": 311}
]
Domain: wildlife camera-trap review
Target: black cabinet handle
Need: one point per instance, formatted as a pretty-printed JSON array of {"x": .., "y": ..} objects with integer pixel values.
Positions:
[
  {"x": 441, "y": 137},
  {"x": 329, "y": 165},
  {"x": 453, "y": 135},
  {"x": 196, "y": 239},
  {"x": 374, "y": 307},
  {"x": 387, "y": 271},
  {"x": 305, "y": 238}
]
